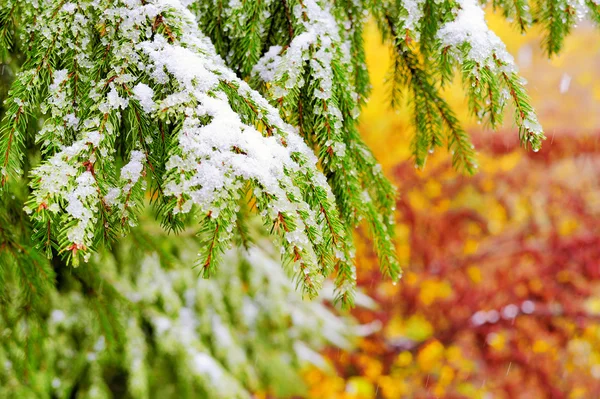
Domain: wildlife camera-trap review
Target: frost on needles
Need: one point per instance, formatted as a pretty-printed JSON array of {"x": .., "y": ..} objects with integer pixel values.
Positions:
[{"x": 202, "y": 107}]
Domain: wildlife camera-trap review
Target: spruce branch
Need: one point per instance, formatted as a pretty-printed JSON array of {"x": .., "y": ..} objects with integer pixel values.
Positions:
[
  {"x": 237, "y": 121},
  {"x": 199, "y": 107}
]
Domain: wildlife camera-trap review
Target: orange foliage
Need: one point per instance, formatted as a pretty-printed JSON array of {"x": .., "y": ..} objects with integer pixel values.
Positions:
[{"x": 501, "y": 292}]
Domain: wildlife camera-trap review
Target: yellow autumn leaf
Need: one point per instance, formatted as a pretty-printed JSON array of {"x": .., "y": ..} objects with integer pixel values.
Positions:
[
  {"x": 470, "y": 247},
  {"x": 404, "y": 359},
  {"x": 497, "y": 341},
  {"x": 474, "y": 274},
  {"x": 446, "y": 375},
  {"x": 432, "y": 290},
  {"x": 540, "y": 346},
  {"x": 360, "y": 387},
  {"x": 430, "y": 356},
  {"x": 592, "y": 305}
]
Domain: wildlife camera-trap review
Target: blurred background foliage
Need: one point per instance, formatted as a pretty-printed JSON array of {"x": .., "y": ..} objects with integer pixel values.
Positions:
[{"x": 501, "y": 294}]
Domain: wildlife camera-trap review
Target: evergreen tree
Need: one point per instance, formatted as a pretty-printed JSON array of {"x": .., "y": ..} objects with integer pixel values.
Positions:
[{"x": 212, "y": 114}]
